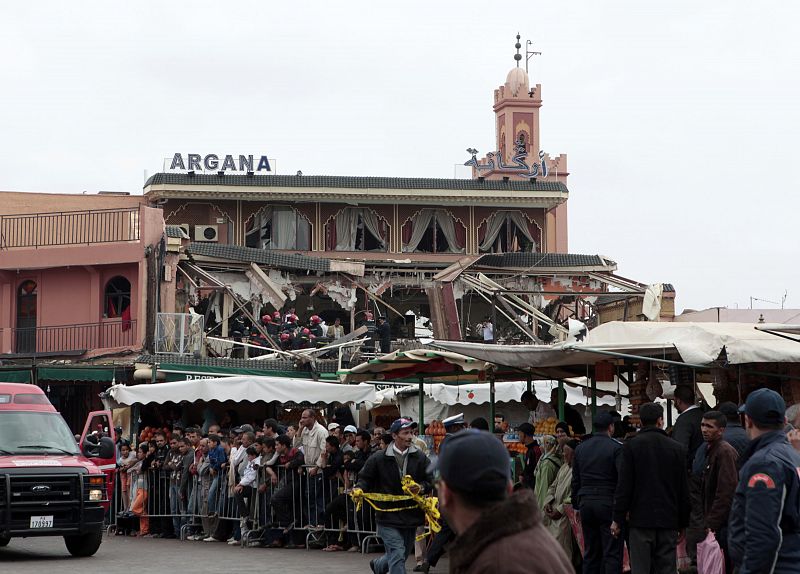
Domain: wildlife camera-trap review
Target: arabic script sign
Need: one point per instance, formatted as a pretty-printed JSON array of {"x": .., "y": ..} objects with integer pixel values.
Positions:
[
  {"x": 213, "y": 162},
  {"x": 518, "y": 165}
]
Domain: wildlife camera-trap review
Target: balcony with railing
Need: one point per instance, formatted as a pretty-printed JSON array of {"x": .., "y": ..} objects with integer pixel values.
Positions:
[
  {"x": 64, "y": 228},
  {"x": 68, "y": 339}
]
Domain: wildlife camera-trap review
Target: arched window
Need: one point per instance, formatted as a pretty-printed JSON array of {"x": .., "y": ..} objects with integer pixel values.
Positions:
[
  {"x": 433, "y": 231},
  {"x": 26, "y": 317},
  {"x": 506, "y": 232},
  {"x": 117, "y": 299},
  {"x": 278, "y": 227},
  {"x": 357, "y": 229}
]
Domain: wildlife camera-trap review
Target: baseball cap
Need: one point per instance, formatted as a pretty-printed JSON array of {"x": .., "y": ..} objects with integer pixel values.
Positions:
[
  {"x": 350, "y": 428},
  {"x": 729, "y": 409},
  {"x": 765, "y": 407},
  {"x": 527, "y": 428},
  {"x": 474, "y": 462},
  {"x": 454, "y": 420},
  {"x": 332, "y": 426},
  {"x": 401, "y": 424},
  {"x": 242, "y": 429}
]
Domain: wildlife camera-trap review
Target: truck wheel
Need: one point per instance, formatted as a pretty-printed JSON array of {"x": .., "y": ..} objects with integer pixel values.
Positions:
[
  {"x": 4, "y": 541},
  {"x": 84, "y": 544}
]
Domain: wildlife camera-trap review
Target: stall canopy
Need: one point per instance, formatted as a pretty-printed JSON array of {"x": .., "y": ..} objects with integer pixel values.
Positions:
[
  {"x": 696, "y": 344},
  {"x": 480, "y": 393},
  {"x": 416, "y": 363},
  {"x": 240, "y": 389}
]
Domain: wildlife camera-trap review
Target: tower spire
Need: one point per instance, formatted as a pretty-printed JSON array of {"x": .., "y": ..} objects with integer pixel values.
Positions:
[{"x": 518, "y": 56}]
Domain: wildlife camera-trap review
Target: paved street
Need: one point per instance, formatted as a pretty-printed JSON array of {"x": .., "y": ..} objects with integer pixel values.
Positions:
[{"x": 120, "y": 554}]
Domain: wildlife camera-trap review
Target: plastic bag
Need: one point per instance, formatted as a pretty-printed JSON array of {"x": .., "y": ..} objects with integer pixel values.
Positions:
[{"x": 710, "y": 559}]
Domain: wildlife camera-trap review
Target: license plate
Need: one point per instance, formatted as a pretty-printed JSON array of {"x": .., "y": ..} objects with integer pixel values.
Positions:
[{"x": 41, "y": 521}]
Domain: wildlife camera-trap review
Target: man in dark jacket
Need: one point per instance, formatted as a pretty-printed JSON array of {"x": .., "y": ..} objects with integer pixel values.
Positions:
[
  {"x": 734, "y": 433},
  {"x": 653, "y": 491},
  {"x": 687, "y": 427},
  {"x": 571, "y": 415},
  {"x": 764, "y": 526},
  {"x": 498, "y": 532},
  {"x": 595, "y": 471},
  {"x": 382, "y": 474},
  {"x": 687, "y": 432},
  {"x": 384, "y": 333},
  {"x": 718, "y": 478},
  {"x": 532, "y": 454}
]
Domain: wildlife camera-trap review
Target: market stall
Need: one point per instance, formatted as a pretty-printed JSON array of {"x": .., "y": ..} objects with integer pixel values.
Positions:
[
  {"x": 651, "y": 357},
  {"x": 223, "y": 399}
]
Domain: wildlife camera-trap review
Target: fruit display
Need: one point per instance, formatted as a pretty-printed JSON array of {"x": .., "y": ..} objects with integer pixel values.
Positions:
[
  {"x": 149, "y": 433},
  {"x": 516, "y": 447},
  {"x": 547, "y": 426},
  {"x": 436, "y": 430}
]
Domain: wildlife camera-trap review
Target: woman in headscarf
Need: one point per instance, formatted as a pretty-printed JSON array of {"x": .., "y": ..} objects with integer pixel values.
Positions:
[
  {"x": 560, "y": 494},
  {"x": 546, "y": 471}
]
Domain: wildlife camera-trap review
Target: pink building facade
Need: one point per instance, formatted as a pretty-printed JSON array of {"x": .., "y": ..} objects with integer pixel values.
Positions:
[{"x": 73, "y": 281}]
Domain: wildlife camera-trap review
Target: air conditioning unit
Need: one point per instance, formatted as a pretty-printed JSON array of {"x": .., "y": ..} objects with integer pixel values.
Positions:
[
  {"x": 185, "y": 228},
  {"x": 206, "y": 233}
]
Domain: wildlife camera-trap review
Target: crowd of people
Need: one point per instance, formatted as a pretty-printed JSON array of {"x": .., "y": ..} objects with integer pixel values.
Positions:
[
  {"x": 291, "y": 333},
  {"x": 583, "y": 502}
]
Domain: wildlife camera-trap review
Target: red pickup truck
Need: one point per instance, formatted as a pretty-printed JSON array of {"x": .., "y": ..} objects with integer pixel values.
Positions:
[{"x": 49, "y": 485}]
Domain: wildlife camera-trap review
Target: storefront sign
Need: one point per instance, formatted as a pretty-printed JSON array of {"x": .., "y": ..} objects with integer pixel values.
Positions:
[
  {"x": 213, "y": 162},
  {"x": 518, "y": 165}
]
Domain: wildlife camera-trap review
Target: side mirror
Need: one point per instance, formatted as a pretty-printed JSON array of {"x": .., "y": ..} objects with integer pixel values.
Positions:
[{"x": 107, "y": 449}]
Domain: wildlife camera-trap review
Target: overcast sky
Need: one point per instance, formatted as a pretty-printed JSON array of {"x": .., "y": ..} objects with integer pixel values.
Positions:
[{"x": 680, "y": 119}]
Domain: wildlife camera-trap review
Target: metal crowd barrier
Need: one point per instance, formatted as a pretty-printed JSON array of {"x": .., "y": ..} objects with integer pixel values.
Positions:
[{"x": 296, "y": 502}]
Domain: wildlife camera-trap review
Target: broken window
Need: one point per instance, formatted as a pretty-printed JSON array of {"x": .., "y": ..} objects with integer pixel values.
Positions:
[
  {"x": 507, "y": 232},
  {"x": 433, "y": 231},
  {"x": 278, "y": 227},
  {"x": 357, "y": 229}
]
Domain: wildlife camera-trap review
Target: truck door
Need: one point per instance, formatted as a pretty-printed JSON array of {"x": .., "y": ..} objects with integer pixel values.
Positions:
[{"x": 101, "y": 424}]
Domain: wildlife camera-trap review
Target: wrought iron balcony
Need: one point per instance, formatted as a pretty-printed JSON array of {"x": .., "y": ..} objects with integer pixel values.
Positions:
[
  {"x": 69, "y": 339},
  {"x": 69, "y": 228}
]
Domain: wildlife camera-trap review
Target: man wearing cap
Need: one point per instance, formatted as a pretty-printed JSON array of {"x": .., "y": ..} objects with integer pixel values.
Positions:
[
  {"x": 454, "y": 424},
  {"x": 382, "y": 473},
  {"x": 498, "y": 531},
  {"x": 764, "y": 526},
  {"x": 652, "y": 494},
  {"x": 349, "y": 444},
  {"x": 595, "y": 473}
]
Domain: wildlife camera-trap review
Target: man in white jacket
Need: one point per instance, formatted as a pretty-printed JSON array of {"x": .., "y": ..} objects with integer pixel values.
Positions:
[
  {"x": 311, "y": 440},
  {"x": 245, "y": 489}
]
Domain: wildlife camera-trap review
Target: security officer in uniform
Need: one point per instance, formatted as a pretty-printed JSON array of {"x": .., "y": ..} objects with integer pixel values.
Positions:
[
  {"x": 595, "y": 469},
  {"x": 764, "y": 526}
]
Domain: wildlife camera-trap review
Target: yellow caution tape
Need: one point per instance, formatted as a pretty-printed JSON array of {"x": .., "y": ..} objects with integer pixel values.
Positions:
[{"x": 428, "y": 504}]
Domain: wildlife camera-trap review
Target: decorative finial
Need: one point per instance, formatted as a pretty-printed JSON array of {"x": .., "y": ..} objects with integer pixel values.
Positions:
[{"x": 518, "y": 56}]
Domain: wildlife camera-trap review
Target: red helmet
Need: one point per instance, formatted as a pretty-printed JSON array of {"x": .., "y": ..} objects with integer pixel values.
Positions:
[
  {"x": 276, "y": 315},
  {"x": 306, "y": 331},
  {"x": 316, "y": 319},
  {"x": 284, "y": 336},
  {"x": 266, "y": 318},
  {"x": 293, "y": 318}
]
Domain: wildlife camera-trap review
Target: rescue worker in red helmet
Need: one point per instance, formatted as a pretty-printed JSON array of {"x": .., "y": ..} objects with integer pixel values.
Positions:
[
  {"x": 316, "y": 326},
  {"x": 270, "y": 325},
  {"x": 286, "y": 341}
]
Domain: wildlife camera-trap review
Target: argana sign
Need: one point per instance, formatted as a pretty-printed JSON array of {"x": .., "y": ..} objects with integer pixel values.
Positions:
[{"x": 213, "y": 162}]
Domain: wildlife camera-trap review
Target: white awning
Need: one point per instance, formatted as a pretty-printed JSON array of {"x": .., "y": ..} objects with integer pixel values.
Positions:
[
  {"x": 504, "y": 392},
  {"x": 698, "y": 343},
  {"x": 694, "y": 343},
  {"x": 241, "y": 389}
]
